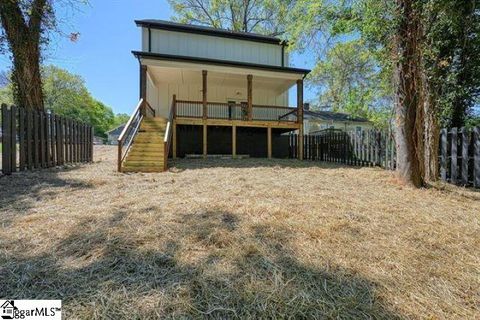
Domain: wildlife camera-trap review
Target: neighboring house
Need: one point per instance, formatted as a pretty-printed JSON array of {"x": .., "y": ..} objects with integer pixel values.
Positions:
[
  {"x": 320, "y": 120},
  {"x": 114, "y": 134},
  {"x": 210, "y": 91}
]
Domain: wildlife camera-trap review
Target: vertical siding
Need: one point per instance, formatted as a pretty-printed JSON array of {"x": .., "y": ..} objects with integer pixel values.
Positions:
[{"x": 202, "y": 46}]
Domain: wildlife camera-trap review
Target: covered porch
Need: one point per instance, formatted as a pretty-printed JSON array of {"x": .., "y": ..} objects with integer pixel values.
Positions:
[{"x": 213, "y": 98}]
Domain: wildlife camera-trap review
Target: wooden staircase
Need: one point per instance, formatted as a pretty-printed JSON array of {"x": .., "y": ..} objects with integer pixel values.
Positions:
[{"x": 147, "y": 150}]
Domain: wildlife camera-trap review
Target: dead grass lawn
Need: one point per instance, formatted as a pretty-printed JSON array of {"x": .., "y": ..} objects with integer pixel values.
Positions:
[{"x": 239, "y": 239}]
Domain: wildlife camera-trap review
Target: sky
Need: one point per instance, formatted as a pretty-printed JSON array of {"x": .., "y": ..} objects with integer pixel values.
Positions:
[{"x": 102, "y": 55}]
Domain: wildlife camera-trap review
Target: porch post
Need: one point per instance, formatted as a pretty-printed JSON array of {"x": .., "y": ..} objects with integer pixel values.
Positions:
[
  {"x": 143, "y": 87},
  {"x": 205, "y": 147},
  {"x": 300, "y": 117},
  {"x": 204, "y": 92},
  {"x": 174, "y": 139},
  {"x": 234, "y": 141},
  {"x": 249, "y": 97},
  {"x": 269, "y": 142}
]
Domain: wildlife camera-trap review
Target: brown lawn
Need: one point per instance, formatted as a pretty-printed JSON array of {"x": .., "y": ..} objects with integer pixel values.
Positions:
[{"x": 239, "y": 239}]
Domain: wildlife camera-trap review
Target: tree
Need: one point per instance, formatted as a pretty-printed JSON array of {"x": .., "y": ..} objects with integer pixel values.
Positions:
[
  {"x": 25, "y": 25},
  {"x": 66, "y": 94},
  {"x": 349, "y": 79},
  {"x": 120, "y": 118},
  {"x": 261, "y": 16},
  {"x": 431, "y": 50}
]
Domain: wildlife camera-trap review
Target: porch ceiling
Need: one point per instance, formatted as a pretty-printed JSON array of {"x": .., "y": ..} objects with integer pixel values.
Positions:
[{"x": 186, "y": 76}]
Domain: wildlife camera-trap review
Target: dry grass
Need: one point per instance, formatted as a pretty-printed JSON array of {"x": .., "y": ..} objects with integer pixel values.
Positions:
[{"x": 239, "y": 239}]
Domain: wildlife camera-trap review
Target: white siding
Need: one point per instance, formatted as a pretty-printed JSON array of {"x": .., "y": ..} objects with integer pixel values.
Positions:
[{"x": 203, "y": 46}]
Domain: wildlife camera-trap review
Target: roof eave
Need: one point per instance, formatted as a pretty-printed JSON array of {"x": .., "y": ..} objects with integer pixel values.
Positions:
[{"x": 141, "y": 54}]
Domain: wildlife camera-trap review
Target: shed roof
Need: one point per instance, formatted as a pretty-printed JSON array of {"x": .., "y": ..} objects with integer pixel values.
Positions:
[{"x": 334, "y": 116}]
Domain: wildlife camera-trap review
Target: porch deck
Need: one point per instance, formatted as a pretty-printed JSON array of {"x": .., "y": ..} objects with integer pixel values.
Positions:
[{"x": 202, "y": 115}]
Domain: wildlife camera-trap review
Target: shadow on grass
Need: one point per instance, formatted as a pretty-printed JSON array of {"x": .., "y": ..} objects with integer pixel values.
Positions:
[
  {"x": 102, "y": 270},
  {"x": 192, "y": 164},
  {"x": 20, "y": 190}
]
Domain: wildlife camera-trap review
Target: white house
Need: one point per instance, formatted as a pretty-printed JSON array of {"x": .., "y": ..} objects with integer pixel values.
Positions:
[{"x": 209, "y": 91}]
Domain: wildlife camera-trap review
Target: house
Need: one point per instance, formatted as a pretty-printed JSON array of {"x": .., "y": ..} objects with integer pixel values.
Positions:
[
  {"x": 112, "y": 135},
  {"x": 315, "y": 121},
  {"x": 207, "y": 91}
]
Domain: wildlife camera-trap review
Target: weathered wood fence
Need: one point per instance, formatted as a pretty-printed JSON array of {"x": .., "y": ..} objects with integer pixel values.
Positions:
[
  {"x": 460, "y": 156},
  {"x": 363, "y": 148},
  {"x": 459, "y": 153},
  {"x": 32, "y": 140}
]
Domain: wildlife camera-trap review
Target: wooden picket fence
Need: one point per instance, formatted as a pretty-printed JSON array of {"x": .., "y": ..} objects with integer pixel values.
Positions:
[
  {"x": 33, "y": 139},
  {"x": 459, "y": 153},
  {"x": 363, "y": 148},
  {"x": 460, "y": 156}
]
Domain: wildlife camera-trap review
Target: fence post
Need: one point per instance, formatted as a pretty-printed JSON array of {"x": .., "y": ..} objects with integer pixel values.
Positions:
[
  {"x": 443, "y": 154},
  {"x": 454, "y": 157},
  {"x": 465, "y": 157},
  {"x": 13, "y": 138},
  {"x": 92, "y": 135},
  {"x": 476, "y": 157},
  {"x": 21, "y": 138},
  {"x": 6, "y": 140}
]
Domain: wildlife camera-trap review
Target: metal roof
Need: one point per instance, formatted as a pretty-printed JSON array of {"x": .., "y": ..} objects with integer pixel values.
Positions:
[{"x": 334, "y": 116}]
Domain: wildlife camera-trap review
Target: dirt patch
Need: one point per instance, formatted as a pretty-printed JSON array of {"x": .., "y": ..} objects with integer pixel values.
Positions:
[{"x": 239, "y": 239}]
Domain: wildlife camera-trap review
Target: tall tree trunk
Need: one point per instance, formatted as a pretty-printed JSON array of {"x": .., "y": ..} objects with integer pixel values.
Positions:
[
  {"x": 409, "y": 117},
  {"x": 24, "y": 41},
  {"x": 431, "y": 133}
]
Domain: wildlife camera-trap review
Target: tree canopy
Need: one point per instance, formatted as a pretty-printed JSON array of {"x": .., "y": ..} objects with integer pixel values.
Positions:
[
  {"x": 260, "y": 16},
  {"x": 66, "y": 94}
]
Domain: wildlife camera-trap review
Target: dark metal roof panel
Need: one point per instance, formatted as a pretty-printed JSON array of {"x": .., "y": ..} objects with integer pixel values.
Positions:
[{"x": 334, "y": 116}]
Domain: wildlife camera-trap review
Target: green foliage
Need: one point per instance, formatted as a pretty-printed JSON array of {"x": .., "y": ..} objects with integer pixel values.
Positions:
[
  {"x": 66, "y": 94},
  {"x": 120, "y": 118},
  {"x": 351, "y": 74},
  {"x": 451, "y": 57},
  {"x": 6, "y": 95},
  {"x": 450, "y": 47},
  {"x": 351, "y": 80}
]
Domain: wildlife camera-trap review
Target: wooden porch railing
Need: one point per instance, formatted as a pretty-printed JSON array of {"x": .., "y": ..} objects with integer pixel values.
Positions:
[
  {"x": 231, "y": 111},
  {"x": 167, "y": 141},
  {"x": 125, "y": 139}
]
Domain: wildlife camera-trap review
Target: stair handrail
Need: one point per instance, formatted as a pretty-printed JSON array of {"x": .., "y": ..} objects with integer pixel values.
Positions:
[
  {"x": 167, "y": 140},
  {"x": 150, "y": 109},
  {"x": 130, "y": 130}
]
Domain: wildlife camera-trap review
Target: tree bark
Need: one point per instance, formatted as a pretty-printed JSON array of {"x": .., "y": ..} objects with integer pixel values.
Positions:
[
  {"x": 24, "y": 42},
  {"x": 409, "y": 117},
  {"x": 431, "y": 133}
]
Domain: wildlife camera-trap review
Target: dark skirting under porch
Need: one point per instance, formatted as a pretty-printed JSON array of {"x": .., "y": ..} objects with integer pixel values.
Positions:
[{"x": 250, "y": 141}]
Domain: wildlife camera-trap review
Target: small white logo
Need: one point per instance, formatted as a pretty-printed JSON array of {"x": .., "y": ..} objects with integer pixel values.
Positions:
[{"x": 31, "y": 309}]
